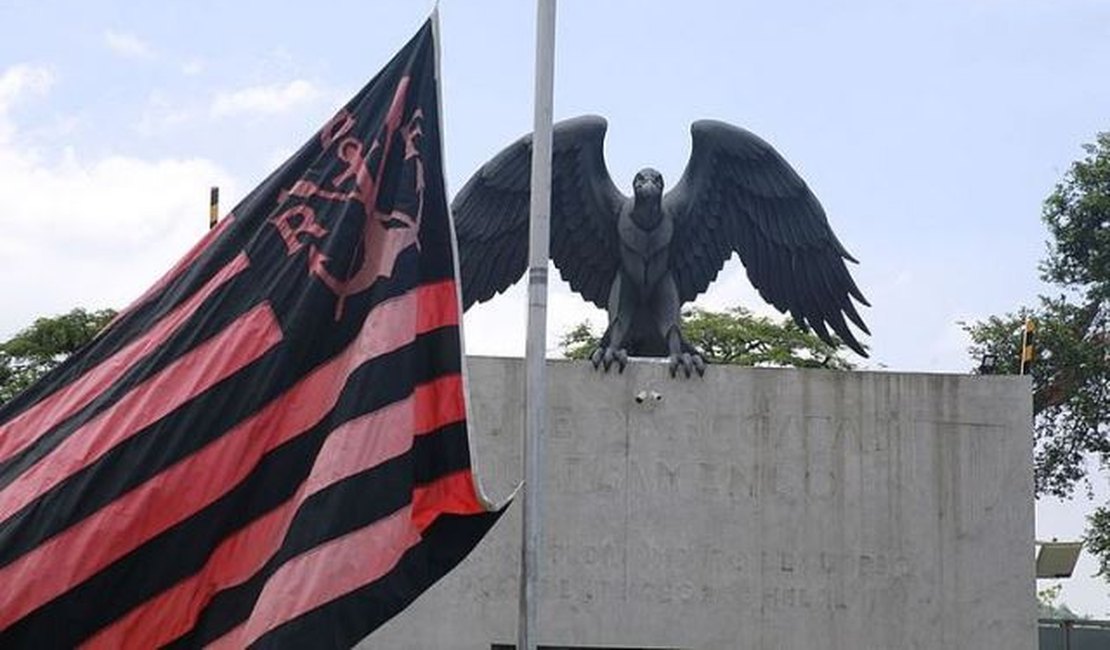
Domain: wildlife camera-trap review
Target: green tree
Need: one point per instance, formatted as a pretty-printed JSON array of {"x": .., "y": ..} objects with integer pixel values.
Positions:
[
  {"x": 43, "y": 345},
  {"x": 1071, "y": 375},
  {"x": 735, "y": 336},
  {"x": 579, "y": 342}
]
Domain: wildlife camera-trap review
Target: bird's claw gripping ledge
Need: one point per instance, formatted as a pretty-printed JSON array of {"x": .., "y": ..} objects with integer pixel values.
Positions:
[
  {"x": 689, "y": 362},
  {"x": 605, "y": 357}
]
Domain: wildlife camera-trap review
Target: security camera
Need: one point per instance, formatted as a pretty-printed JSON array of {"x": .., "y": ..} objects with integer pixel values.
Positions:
[{"x": 641, "y": 397}]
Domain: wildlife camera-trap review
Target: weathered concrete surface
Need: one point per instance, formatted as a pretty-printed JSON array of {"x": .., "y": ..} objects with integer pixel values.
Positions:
[{"x": 754, "y": 508}]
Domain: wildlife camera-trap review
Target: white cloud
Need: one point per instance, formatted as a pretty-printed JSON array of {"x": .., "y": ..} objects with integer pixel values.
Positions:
[
  {"x": 498, "y": 327},
  {"x": 127, "y": 45},
  {"x": 88, "y": 232},
  {"x": 192, "y": 67},
  {"x": 161, "y": 113},
  {"x": 274, "y": 98},
  {"x": 15, "y": 83},
  {"x": 23, "y": 78}
]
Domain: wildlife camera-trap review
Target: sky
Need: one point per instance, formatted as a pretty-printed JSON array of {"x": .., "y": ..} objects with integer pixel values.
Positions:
[{"x": 930, "y": 130}]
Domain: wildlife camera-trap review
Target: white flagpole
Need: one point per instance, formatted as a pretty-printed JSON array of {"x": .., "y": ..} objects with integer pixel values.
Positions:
[{"x": 535, "y": 390}]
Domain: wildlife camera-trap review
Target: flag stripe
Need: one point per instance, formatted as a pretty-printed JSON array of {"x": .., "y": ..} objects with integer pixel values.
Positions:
[
  {"x": 321, "y": 575},
  {"x": 364, "y": 442},
  {"x": 348, "y": 619},
  {"x": 209, "y": 363},
  {"x": 325, "y": 573},
  {"x": 446, "y": 394},
  {"x": 345, "y": 453},
  {"x": 23, "y": 429},
  {"x": 452, "y": 494},
  {"x": 336, "y": 511},
  {"x": 173, "y": 612},
  {"x": 174, "y": 494}
]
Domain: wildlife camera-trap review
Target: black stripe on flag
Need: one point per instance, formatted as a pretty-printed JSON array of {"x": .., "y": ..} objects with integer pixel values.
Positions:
[
  {"x": 231, "y": 607},
  {"x": 347, "y": 620}
]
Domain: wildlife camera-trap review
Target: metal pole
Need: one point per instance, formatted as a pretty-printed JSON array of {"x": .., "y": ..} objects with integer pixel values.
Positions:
[
  {"x": 1027, "y": 352},
  {"x": 213, "y": 207},
  {"x": 535, "y": 390}
]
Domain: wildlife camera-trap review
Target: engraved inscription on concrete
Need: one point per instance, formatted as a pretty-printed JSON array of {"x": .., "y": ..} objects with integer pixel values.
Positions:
[{"x": 757, "y": 508}]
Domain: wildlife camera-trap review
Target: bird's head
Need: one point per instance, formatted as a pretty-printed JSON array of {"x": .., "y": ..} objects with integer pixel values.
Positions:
[{"x": 647, "y": 183}]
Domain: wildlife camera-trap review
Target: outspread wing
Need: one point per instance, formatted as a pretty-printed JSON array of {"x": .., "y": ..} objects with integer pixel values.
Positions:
[
  {"x": 738, "y": 194},
  {"x": 491, "y": 215}
]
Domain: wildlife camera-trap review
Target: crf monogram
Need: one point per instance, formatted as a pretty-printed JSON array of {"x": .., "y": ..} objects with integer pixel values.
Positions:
[{"x": 385, "y": 234}]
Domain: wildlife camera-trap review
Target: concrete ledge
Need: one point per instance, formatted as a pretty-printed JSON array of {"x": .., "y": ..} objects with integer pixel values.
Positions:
[{"x": 755, "y": 508}]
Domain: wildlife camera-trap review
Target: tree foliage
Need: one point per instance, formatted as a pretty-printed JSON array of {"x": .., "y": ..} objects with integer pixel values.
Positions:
[
  {"x": 1071, "y": 375},
  {"x": 1048, "y": 605},
  {"x": 1078, "y": 217},
  {"x": 43, "y": 345},
  {"x": 1070, "y": 378},
  {"x": 735, "y": 336}
]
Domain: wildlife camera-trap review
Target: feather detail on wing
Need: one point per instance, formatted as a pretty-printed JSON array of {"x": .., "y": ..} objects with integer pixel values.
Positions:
[
  {"x": 492, "y": 210},
  {"x": 738, "y": 194}
]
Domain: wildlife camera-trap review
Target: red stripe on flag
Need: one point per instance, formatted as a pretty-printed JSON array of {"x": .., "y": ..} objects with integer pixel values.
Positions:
[
  {"x": 446, "y": 395},
  {"x": 439, "y": 307},
  {"x": 22, "y": 430},
  {"x": 347, "y": 563},
  {"x": 195, "y": 482},
  {"x": 453, "y": 494},
  {"x": 361, "y": 444},
  {"x": 221, "y": 356},
  {"x": 354, "y": 447},
  {"x": 174, "y": 612},
  {"x": 325, "y": 573}
]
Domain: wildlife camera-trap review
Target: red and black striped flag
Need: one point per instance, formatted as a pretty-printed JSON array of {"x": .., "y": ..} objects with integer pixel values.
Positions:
[{"x": 269, "y": 448}]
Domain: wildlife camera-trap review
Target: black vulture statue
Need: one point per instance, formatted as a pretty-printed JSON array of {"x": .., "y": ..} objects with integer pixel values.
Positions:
[{"x": 643, "y": 257}]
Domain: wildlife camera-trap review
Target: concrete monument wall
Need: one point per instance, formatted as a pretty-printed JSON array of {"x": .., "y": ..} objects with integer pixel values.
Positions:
[{"x": 755, "y": 508}]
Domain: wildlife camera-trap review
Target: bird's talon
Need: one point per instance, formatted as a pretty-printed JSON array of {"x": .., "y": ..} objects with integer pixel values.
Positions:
[
  {"x": 605, "y": 357},
  {"x": 689, "y": 362}
]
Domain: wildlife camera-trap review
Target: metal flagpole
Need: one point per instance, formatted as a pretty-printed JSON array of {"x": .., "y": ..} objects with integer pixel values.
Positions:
[
  {"x": 535, "y": 390},
  {"x": 213, "y": 207},
  {"x": 1027, "y": 354}
]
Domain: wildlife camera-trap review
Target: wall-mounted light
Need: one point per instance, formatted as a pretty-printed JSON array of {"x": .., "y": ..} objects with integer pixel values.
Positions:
[{"x": 1057, "y": 559}]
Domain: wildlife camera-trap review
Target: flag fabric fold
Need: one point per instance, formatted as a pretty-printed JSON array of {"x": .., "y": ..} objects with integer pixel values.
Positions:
[{"x": 268, "y": 448}]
